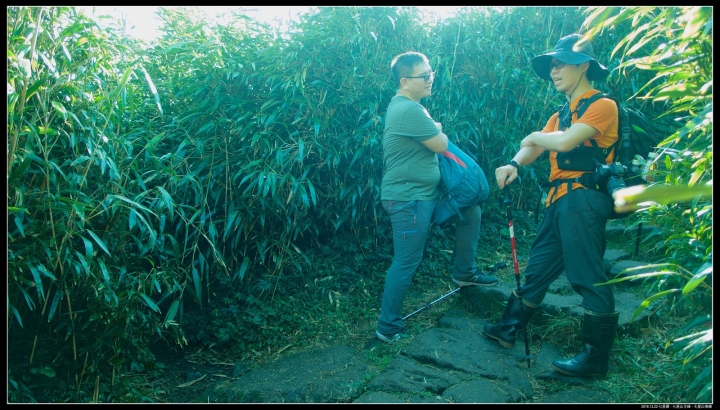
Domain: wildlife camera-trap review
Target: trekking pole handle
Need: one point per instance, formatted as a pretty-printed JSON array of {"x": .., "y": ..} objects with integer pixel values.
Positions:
[{"x": 507, "y": 200}]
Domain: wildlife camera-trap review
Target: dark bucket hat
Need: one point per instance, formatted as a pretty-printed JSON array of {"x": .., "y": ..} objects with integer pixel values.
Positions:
[{"x": 569, "y": 51}]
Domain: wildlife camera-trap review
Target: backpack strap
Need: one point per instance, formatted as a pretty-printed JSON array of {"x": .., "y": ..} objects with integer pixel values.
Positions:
[
  {"x": 565, "y": 116},
  {"x": 585, "y": 102},
  {"x": 623, "y": 126}
]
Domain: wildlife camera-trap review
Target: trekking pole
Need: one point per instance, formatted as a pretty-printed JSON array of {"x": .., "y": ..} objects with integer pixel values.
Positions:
[
  {"x": 507, "y": 203},
  {"x": 427, "y": 305}
]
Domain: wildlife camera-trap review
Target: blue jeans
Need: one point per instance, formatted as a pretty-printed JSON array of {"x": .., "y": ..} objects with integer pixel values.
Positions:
[{"x": 411, "y": 224}]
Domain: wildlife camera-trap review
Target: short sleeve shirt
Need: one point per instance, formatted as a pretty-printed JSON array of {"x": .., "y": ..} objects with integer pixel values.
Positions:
[
  {"x": 601, "y": 115},
  {"x": 410, "y": 169}
]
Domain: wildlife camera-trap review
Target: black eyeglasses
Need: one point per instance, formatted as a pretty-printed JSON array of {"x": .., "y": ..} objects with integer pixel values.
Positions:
[
  {"x": 557, "y": 65},
  {"x": 426, "y": 77}
]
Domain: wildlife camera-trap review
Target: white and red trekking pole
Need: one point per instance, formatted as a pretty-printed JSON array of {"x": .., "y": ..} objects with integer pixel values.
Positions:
[{"x": 508, "y": 203}]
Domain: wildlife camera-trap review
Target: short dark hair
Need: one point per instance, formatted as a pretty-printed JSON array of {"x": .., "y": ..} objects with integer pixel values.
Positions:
[{"x": 404, "y": 64}]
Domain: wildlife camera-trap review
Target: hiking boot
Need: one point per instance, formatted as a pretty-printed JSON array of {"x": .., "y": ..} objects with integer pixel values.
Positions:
[
  {"x": 392, "y": 338},
  {"x": 480, "y": 279},
  {"x": 514, "y": 318},
  {"x": 598, "y": 336}
]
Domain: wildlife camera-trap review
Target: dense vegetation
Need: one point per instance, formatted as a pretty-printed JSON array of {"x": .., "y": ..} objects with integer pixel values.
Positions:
[{"x": 221, "y": 184}]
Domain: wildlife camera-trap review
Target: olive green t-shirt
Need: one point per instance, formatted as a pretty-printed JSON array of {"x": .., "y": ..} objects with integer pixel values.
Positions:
[{"x": 410, "y": 169}]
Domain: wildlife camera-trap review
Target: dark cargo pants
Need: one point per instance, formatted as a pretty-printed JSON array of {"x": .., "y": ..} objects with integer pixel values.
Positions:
[{"x": 571, "y": 238}]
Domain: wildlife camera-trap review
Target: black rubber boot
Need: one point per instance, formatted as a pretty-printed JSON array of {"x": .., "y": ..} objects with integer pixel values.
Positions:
[
  {"x": 513, "y": 319},
  {"x": 598, "y": 335}
]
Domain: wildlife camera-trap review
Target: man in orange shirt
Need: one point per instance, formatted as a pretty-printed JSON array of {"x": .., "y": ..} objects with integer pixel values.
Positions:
[{"x": 571, "y": 237}]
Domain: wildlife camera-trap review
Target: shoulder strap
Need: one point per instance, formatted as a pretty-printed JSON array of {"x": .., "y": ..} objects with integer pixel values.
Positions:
[
  {"x": 623, "y": 125},
  {"x": 565, "y": 116},
  {"x": 585, "y": 102}
]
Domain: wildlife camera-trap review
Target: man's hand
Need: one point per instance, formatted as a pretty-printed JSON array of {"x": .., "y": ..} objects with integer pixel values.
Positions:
[{"x": 505, "y": 175}]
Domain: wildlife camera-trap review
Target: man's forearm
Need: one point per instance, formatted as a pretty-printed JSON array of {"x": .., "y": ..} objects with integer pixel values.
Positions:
[{"x": 528, "y": 154}]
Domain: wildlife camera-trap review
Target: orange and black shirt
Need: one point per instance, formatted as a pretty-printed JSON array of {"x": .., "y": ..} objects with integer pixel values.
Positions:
[{"x": 601, "y": 115}]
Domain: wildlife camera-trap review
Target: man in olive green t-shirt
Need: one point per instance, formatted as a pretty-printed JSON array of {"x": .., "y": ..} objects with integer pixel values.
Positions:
[{"x": 411, "y": 142}]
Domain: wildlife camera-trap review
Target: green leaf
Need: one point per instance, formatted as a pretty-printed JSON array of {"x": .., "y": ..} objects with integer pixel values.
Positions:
[
  {"x": 132, "y": 219},
  {"x": 229, "y": 224},
  {"x": 67, "y": 53},
  {"x": 206, "y": 127},
  {"x": 150, "y": 302},
  {"x": 46, "y": 130},
  {"x": 19, "y": 222},
  {"x": 241, "y": 273},
  {"x": 15, "y": 312},
  {"x": 644, "y": 305},
  {"x": 154, "y": 140},
  {"x": 99, "y": 241},
  {"x": 43, "y": 271},
  {"x": 38, "y": 85},
  {"x": 38, "y": 281},
  {"x": 696, "y": 321},
  {"x": 79, "y": 160},
  {"x": 172, "y": 311},
  {"x": 638, "y": 276},
  {"x": 152, "y": 88},
  {"x": 312, "y": 192},
  {"x": 123, "y": 80},
  {"x": 168, "y": 199},
  {"x": 55, "y": 303},
  {"x": 269, "y": 104},
  {"x": 696, "y": 18},
  {"x": 629, "y": 198},
  {"x": 696, "y": 281},
  {"x": 88, "y": 247},
  {"x": 28, "y": 299},
  {"x": 18, "y": 171},
  {"x": 155, "y": 281},
  {"x": 45, "y": 371},
  {"x": 122, "y": 198},
  {"x": 103, "y": 269},
  {"x": 60, "y": 109},
  {"x": 198, "y": 285}
]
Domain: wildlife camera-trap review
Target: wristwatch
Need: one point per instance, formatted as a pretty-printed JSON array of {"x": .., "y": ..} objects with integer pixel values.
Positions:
[{"x": 513, "y": 163}]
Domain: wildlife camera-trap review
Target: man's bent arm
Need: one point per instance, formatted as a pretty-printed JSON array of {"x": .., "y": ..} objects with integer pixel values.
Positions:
[{"x": 438, "y": 143}]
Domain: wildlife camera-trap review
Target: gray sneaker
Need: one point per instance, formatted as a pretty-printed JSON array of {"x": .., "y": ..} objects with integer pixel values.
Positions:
[
  {"x": 392, "y": 338},
  {"x": 478, "y": 280}
]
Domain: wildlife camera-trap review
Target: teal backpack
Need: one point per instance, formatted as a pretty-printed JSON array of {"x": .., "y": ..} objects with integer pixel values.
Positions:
[{"x": 462, "y": 184}]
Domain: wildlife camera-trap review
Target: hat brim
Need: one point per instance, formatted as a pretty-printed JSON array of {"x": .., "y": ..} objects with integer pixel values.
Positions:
[{"x": 541, "y": 64}]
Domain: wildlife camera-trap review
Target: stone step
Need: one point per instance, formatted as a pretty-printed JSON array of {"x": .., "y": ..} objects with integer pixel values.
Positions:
[
  {"x": 560, "y": 299},
  {"x": 613, "y": 256}
]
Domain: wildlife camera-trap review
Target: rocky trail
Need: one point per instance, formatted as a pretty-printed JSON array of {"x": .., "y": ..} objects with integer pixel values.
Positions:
[{"x": 449, "y": 363}]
